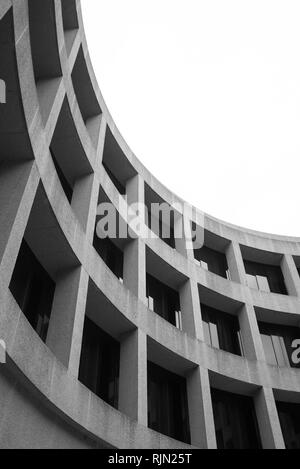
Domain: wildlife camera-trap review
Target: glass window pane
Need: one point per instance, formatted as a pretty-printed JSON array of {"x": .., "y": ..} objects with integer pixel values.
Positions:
[
  {"x": 280, "y": 351},
  {"x": 150, "y": 303},
  {"x": 228, "y": 276},
  {"x": 263, "y": 283},
  {"x": 269, "y": 349},
  {"x": 240, "y": 339},
  {"x": 178, "y": 318},
  {"x": 251, "y": 280},
  {"x": 214, "y": 335},
  {"x": 206, "y": 333},
  {"x": 284, "y": 351}
]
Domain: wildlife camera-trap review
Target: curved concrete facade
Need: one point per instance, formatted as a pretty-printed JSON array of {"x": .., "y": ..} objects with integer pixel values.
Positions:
[{"x": 48, "y": 73}]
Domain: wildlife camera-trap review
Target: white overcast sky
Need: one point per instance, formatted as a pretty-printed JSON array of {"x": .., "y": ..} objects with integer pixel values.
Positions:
[{"x": 207, "y": 95}]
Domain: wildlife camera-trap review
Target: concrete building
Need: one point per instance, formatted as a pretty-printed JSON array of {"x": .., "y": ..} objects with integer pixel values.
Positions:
[{"x": 133, "y": 343}]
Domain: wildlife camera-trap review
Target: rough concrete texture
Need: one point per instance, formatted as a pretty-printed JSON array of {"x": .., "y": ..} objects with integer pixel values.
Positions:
[{"x": 42, "y": 403}]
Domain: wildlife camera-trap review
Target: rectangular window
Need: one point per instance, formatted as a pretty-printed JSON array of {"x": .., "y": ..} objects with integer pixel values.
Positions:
[
  {"x": 263, "y": 284},
  {"x": 33, "y": 290},
  {"x": 235, "y": 421},
  {"x": 269, "y": 349},
  {"x": 269, "y": 278},
  {"x": 213, "y": 261},
  {"x": 167, "y": 403},
  {"x": 99, "y": 363},
  {"x": 221, "y": 330},
  {"x": 163, "y": 300},
  {"x": 277, "y": 341},
  {"x": 110, "y": 254},
  {"x": 214, "y": 338},
  {"x": 289, "y": 416}
]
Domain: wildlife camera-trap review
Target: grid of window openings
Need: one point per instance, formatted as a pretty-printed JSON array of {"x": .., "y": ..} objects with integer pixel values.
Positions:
[{"x": 41, "y": 264}]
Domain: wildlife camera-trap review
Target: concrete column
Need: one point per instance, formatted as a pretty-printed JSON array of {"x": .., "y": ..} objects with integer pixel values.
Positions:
[
  {"x": 135, "y": 191},
  {"x": 67, "y": 318},
  {"x": 252, "y": 342},
  {"x": 189, "y": 293},
  {"x": 180, "y": 241},
  {"x": 185, "y": 245},
  {"x": 135, "y": 268},
  {"x": 201, "y": 417},
  {"x": 135, "y": 251},
  {"x": 235, "y": 263},
  {"x": 191, "y": 310},
  {"x": 101, "y": 140},
  {"x": 18, "y": 184},
  {"x": 268, "y": 420},
  {"x": 133, "y": 376},
  {"x": 291, "y": 275},
  {"x": 82, "y": 197},
  {"x": 93, "y": 125}
]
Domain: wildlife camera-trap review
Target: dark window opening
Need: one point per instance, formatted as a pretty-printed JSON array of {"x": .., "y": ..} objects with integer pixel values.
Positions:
[
  {"x": 277, "y": 341},
  {"x": 115, "y": 162},
  {"x": 265, "y": 277},
  {"x": 289, "y": 416},
  {"x": 99, "y": 363},
  {"x": 83, "y": 88},
  {"x": 167, "y": 403},
  {"x": 164, "y": 301},
  {"x": 161, "y": 229},
  {"x": 68, "y": 189},
  {"x": 160, "y": 216},
  {"x": 222, "y": 330},
  {"x": 213, "y": 261},
  {"x": 69, "y": 14},
  {"x": 235, "y": 421},
  {"x": 110, "y": 254},
  {"x": 33, "y": 289},
  {"x": 115, "y": 180},
  {"x": 43, "y": 38}
]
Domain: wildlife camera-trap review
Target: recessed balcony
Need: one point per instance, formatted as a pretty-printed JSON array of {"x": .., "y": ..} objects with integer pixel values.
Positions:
[
  {"x": 263, "y": 270},
  {"x": 222, "y": 330}
]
